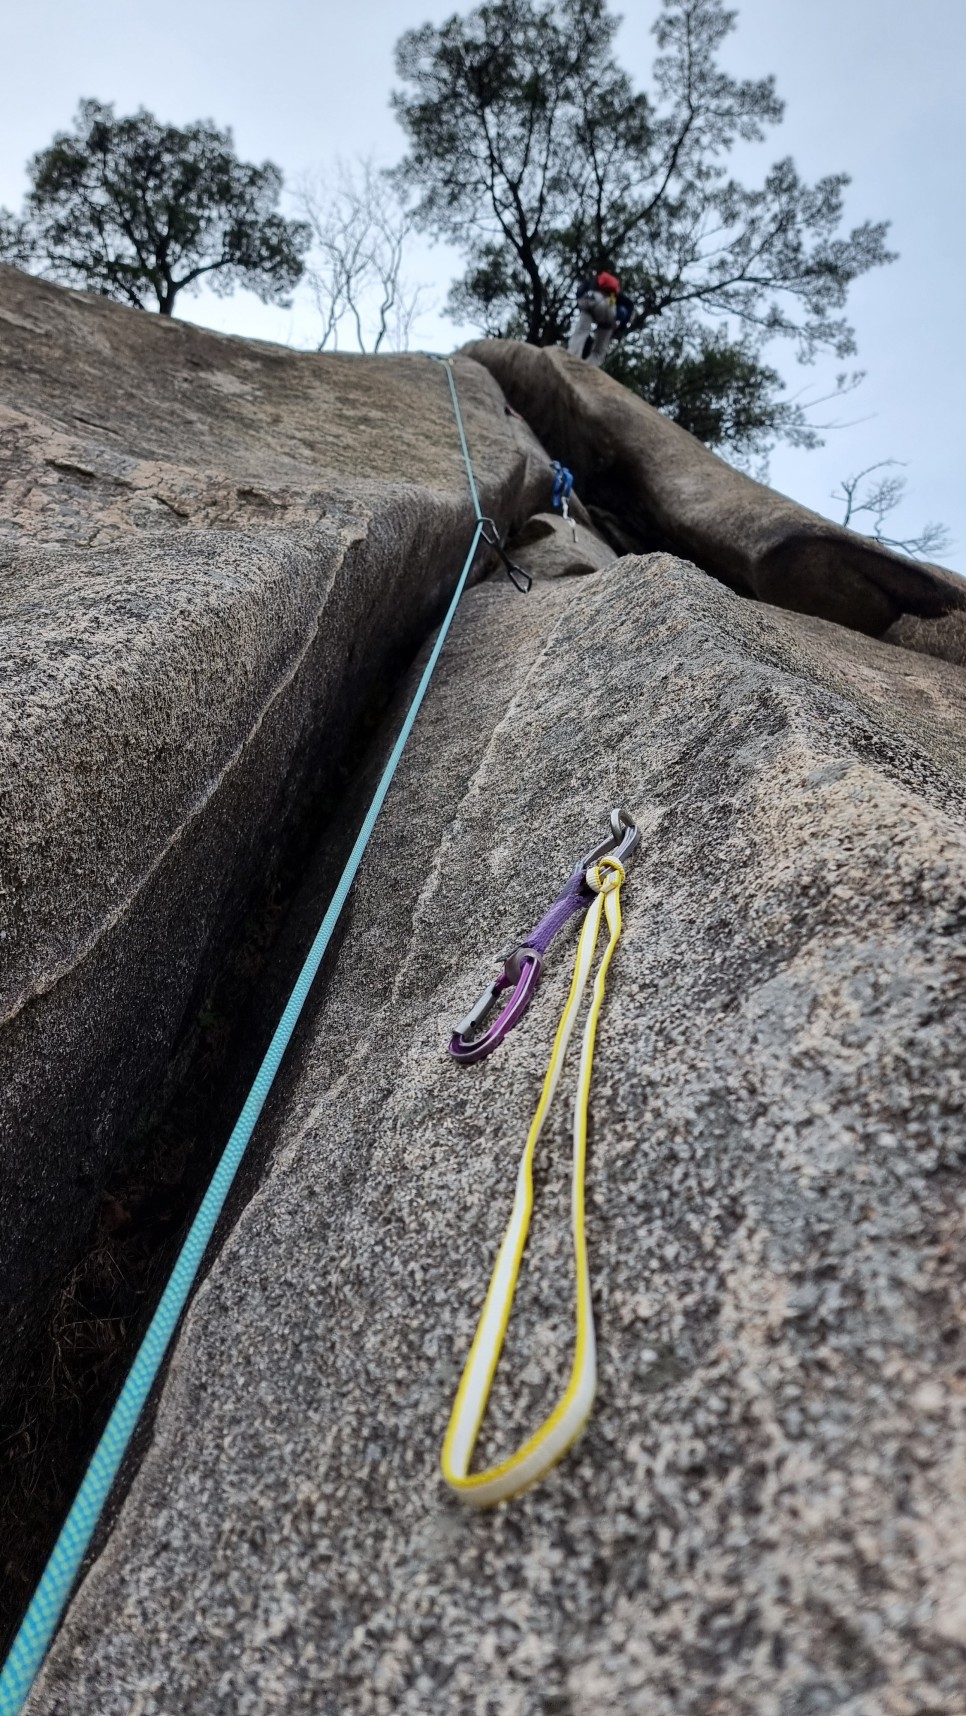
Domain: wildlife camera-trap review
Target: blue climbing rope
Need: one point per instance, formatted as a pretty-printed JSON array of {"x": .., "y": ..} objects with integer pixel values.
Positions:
[
  {"x": 462, "y": 434},
  {"x": 50, "y": 1598}
]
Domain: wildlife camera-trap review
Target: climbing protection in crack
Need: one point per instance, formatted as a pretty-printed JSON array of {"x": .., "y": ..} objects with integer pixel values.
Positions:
[{"x": 49, "y": 1599}]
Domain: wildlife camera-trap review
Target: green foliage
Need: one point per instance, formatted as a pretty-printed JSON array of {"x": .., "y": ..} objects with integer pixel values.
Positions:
[
  {"x": 140, "y": 211},
  {"x": 716, "y": 387},
  {"x": 530, "y": 148}
]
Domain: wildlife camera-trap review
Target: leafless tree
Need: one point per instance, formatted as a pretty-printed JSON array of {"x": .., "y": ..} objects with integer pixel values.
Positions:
[
  {"x": 356, "y": 268},
  {"x": 881, "y": 497}
]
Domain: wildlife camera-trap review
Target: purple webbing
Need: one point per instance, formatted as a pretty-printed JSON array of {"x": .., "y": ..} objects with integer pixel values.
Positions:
[{"x": 575, "y": 898}]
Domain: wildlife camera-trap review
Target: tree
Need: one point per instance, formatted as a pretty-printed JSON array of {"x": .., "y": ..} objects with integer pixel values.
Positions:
[
  {"x": 715, "y": 387},
  {"x": 879, "y": 499},
  {"x": 359, "y": 232},
  {"x": 530, "y": 149},
  {"x": 18, "y": 246},
  {"x": 137, "y": 210}
]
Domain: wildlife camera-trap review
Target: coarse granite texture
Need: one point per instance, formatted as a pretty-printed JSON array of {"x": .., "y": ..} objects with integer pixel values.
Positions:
[
  {"x": 551, "y": 546},
  {"x": 215, "y": 558},
  {"x": 767, "y": 1513}
]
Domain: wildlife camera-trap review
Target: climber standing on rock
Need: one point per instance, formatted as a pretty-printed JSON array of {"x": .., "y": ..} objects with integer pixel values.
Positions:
[{"x": 602, "y": 310}]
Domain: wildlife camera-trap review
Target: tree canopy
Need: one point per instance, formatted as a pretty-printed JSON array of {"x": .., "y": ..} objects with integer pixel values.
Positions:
[
  {"x": 530, "y": 148},
  {"x": 17, "y": 243},
  {"x": 140, "y": 211},
  {"x": 714, "y": 385}
]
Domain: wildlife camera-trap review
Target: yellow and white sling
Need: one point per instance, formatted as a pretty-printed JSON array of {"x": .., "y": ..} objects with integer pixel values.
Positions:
[{"x": 551, "y": 1440}]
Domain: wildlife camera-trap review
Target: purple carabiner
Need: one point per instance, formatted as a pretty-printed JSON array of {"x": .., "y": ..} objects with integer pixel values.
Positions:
[
  {"x": 522, "y": 968},
  {"x": 523, "y": 961}
]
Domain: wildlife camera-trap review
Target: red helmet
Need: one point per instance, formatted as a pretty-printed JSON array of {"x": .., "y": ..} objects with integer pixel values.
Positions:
[{"x": 608, "y": 283}]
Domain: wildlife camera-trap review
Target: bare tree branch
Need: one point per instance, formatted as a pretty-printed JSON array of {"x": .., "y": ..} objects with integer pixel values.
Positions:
[
  {"x": 356, "y": 265},
  {"x": 879, "y": 499}
]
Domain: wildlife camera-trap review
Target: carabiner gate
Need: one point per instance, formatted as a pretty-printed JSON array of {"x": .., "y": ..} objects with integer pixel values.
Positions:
[{"x": 522, "y": 966}]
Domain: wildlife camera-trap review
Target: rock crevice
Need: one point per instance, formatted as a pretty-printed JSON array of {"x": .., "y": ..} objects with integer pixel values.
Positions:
[
  {"x": 179, "y": 692},
  {"x": 662, "y": 489},
  {"x": 217, "y": 563},
  {"x": 776, "y": 1214}
]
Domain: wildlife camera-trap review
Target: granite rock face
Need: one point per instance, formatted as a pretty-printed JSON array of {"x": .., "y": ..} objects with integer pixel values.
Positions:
[
  {"x": 944, "y": 637},
  {"x": 657, "y": 487},
  {"x": 767, "y": 1513},
  {"x": 214, "y": 556},
  {"x": 550, "y": 546}
]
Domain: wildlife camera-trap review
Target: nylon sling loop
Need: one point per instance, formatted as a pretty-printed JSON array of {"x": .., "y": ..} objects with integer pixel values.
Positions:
[
  {"x": 558, "y": 1432},
  {"x": 50, "y": 1598}
]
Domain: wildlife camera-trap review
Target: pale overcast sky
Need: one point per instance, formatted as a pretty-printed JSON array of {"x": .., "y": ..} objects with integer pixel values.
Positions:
[{"x": 873, "y": 87}]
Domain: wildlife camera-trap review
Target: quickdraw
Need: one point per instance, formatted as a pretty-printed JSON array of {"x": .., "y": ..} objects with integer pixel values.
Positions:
[
  {"x": 563, "y": 484},
  {"x": 518, "y": 576},
  {"x": 59, "y": 1576},
  {"x": 603, "y": 877},
  {"x": 522, "y": 961}
]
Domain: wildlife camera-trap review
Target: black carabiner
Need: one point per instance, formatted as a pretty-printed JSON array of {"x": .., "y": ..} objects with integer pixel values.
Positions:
[{"x": 518, "y": 575}]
